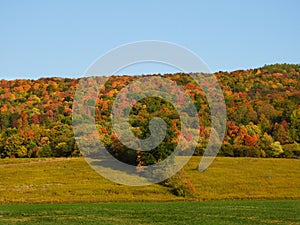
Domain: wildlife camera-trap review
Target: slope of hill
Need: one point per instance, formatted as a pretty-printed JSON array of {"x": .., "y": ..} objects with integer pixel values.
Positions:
[{"x": 263, "y": 115}]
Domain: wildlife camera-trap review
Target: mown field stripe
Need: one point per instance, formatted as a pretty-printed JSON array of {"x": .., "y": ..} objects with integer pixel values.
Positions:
[{"x": 228, "y": 212}]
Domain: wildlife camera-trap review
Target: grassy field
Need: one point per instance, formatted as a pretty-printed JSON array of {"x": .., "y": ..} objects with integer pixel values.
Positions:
[
  {"x": 246, "y": 178},
  {"x": 73, "y": 181},
  {"x": 227, "y": 212}
]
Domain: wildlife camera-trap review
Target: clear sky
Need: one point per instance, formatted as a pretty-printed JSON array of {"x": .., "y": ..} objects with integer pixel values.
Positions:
[{"x": 63, "y": 37}]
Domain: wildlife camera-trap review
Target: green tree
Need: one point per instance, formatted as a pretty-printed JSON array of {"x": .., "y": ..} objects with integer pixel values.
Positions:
[
  {"x": 62, "y": 140},
  {"x": 295, "y": 125},
  {"x": 276, "y": 149},
  {"x": 14, "y": 147}
]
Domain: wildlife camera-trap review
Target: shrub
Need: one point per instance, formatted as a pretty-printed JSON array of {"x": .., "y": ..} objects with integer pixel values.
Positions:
[
  {"x": 226, "y": 150},
  {"x": 45, "y": 151},
  {"x": 180, "y": 184},
  {"x": 291, "y": 150},
  {"x": 246, "y": 151}
]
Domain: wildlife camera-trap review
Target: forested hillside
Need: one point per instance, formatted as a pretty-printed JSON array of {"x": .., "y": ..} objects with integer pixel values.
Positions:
[{"x": 263, "y": 110}]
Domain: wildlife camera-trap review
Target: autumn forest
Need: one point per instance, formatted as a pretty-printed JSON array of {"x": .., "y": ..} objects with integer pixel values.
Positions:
[{"x": 263, "y": 115}]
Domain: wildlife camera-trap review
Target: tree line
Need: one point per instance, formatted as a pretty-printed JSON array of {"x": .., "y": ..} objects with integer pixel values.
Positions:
[{"x": 263, "y": 115}]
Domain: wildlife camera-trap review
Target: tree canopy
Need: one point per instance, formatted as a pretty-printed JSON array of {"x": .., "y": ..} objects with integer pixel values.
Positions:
[{"x": 263, "y": 115}]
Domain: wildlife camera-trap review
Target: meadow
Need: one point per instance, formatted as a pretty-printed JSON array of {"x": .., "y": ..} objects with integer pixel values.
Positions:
[
  {"x": 71, "y": 180},
  {"x": 48, "y": 190}
]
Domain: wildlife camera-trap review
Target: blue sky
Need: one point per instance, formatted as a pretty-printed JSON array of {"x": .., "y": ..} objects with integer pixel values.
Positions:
[{"x": 63, "y": 37}]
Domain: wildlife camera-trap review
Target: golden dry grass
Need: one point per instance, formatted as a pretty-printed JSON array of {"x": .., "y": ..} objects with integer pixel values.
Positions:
[{"x": 72, "y": 180}]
